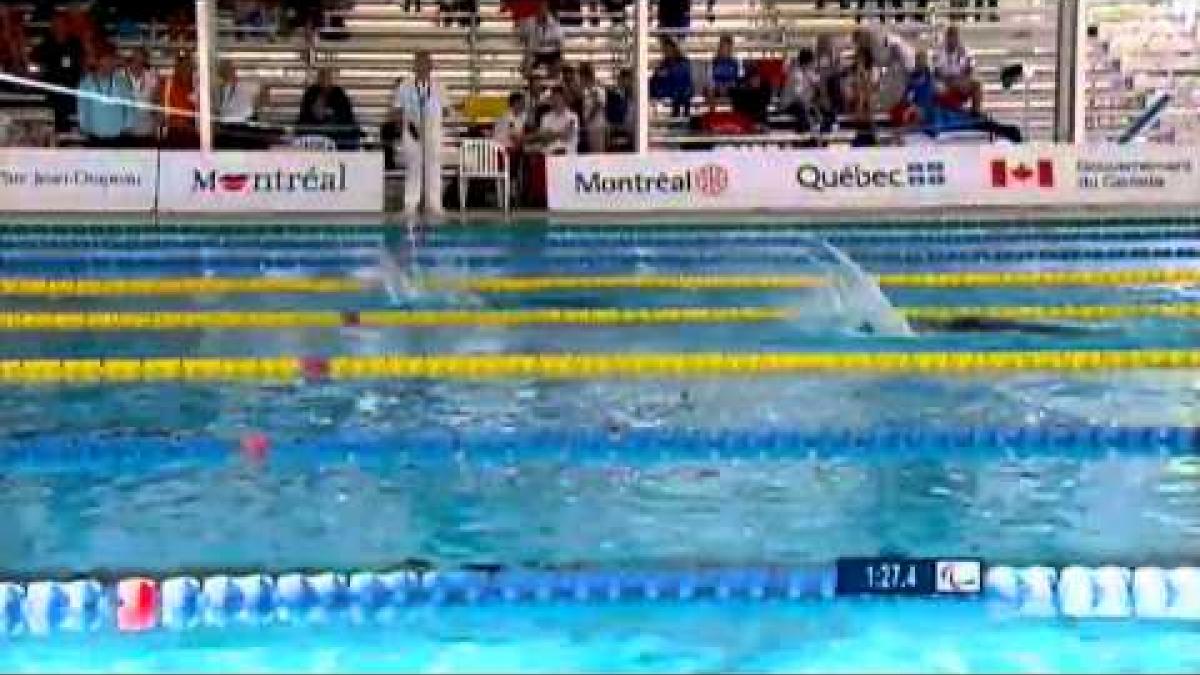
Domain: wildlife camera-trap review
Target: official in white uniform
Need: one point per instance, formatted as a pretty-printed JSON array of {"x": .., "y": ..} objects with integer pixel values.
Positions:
[{"x": 421, "y": 104}]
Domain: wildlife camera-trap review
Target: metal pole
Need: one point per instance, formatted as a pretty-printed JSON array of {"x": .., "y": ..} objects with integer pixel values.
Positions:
[
  {"x": 1080, "y": 84},
  {"x": 641, "y": 75},
  {"x": 206, "y": 44}
]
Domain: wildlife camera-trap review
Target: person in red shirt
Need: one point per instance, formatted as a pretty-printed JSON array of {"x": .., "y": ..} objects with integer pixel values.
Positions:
[{"x": 524, "y": 15}]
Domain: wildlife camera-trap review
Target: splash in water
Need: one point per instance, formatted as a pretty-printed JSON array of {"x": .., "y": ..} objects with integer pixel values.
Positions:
[{"x": 852, "y": 301}]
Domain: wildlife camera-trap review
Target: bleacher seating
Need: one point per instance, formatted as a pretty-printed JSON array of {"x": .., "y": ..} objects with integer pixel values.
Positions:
[
  {"x": 379, "y": 37},
  {"x": 375, "y": 48},
  {"x": 1135, "y": 50}
]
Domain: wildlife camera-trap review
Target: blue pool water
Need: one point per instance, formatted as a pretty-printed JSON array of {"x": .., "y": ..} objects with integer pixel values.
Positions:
[{"x": 350, "y": 511}]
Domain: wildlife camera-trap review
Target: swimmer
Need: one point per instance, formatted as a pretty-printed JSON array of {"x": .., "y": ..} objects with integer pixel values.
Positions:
[{"x": 981, "y": 324}]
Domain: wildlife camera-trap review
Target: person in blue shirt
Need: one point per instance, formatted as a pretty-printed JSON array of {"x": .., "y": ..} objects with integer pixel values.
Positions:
[
  {"x": 921, "y": 110},
  {"x": 104, "y": 97},
  {"x": 672, "y": 79},
  {"x": 725, "y": 71}
]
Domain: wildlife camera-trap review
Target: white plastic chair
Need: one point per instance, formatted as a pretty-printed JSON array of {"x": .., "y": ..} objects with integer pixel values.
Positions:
[
  {"x": 483, "y": 158},
  {"x": 315, "y": 143}
]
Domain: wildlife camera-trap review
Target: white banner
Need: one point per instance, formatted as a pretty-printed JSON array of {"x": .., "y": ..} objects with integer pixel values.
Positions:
[
  {"x": 925, "y": 176},
  {"x": 65, "y": 181},
  {"x": 282, "y": 182}
]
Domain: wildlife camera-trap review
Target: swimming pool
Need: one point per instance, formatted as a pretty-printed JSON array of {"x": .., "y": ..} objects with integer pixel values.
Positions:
[{"x": 587, "y": 468}]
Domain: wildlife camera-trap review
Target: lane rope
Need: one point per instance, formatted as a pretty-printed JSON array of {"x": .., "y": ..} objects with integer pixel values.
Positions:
[
  {"x": 179, "y": 286},
  {"x": 99, "y": 321},
  {"x": 590, "y": 260},
  {"x": 450, "y": 449},
  {"x": 142, "y": 604},
  {"x": 112, "y": 321},
  {"x": 566, "y": 366},
  {"x": 205, "y": 285}
]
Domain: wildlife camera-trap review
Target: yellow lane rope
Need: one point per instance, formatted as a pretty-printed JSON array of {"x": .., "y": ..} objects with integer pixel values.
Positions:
[
  {"x": 202, "y": 285},
  {"x": 1189, "y": 310},
  {"x": 581, "y": 366},
  {"x": 178, "y": 286},
  {"x": 119, "y": 321},
  {"x": 68, "y": 321}
]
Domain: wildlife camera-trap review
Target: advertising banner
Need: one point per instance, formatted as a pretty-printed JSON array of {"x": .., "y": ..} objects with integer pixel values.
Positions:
[
  {"x": 883, "y": 178},
  {"x": 283, "y": 182},
  {"x": 72, "y": 181}
]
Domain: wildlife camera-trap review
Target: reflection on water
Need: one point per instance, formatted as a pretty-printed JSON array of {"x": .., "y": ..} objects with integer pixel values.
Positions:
[{"x": 345, "y": 515}]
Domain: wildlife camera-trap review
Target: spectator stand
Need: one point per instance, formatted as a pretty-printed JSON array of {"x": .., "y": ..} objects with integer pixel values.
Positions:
[{"x": 1138, "y": 51}]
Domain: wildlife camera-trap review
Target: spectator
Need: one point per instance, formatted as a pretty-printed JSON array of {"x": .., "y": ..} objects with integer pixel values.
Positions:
[
  {"x": 955, "y": 70},
  {"x": 592, "y": 119},
  {"x": 572, "y": 89},
  {"x": 805, "y": 96},
  {"x": 14, "y": 49},
  {"x": 60, "y": 62},
  {"x": 104, "y": 114},
  {"x": 524, "y": 15},
  {"x": 863, "y": 88},
  {"x": 828, "y": 59},
  {"x": 568, "y": 12},
  {"x": 251, "y": 19},
  {"x": 326, "y": 109},
  {"x": 672, "y": 79},
  {"x": 546, "y": 40},
  {"x": 179, "y": 99},
  {"x": 752, "y": 97},
  {"x": 674, "y": 14},
  {"x": 558, "y": 130},
  {"x": 919, "y": 107},
  {"x": 619, "y": 112},
  {"x": 144, "y": 87},
  {"x": 923, "y": 110},
  {"x": 237, "y": 109},
  {"x": 509, "y": 129},
  {"x": 725, "y": 70}
]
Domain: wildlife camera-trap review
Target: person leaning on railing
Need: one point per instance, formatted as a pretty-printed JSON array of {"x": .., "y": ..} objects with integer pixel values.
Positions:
[
  {"x": 179, "y": 99},
  {"x": 672, "y": 79},
  {"x": 104, "y": 117},
  {"x": 144, "y": 88},
  {"x": 60, "y": 62}
]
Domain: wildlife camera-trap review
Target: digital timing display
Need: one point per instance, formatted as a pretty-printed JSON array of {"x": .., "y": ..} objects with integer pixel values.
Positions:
[{"x": 895, "y": 576}]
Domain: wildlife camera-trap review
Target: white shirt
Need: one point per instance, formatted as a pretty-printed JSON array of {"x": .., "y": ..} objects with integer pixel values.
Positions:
[
  {"x": 547, "y": 38},
  {"x": 565, "y": 122},
  {"x": 508, "y": 128},
  {"x": 952, "y": 63},
  {"x": 144, "y": 122},
  {"x": 593, "y": 106},
  {"x": 421, "y": 101},
  {"x": 236, "y": 103},
  {"x": 802, "y": 85}
]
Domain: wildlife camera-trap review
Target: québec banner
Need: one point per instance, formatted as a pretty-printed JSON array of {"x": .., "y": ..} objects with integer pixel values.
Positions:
[
  {"x": 877, "y": 178},
  {"x": 130, "y": 181}
]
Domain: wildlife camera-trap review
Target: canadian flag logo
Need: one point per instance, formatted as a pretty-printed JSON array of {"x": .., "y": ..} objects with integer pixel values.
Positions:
[{"x": 1007, "y": 174}]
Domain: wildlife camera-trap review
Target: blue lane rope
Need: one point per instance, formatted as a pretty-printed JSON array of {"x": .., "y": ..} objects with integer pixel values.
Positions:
[
  {"x": 615, "y": 260},
  {"x": 556, "y": 237},
  {"x": 639, "y": 447},
  {"x": 183, "y": 602}
]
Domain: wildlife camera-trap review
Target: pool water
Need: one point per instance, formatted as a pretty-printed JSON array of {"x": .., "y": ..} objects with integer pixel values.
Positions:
[{"x": 350, "y": 509}]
